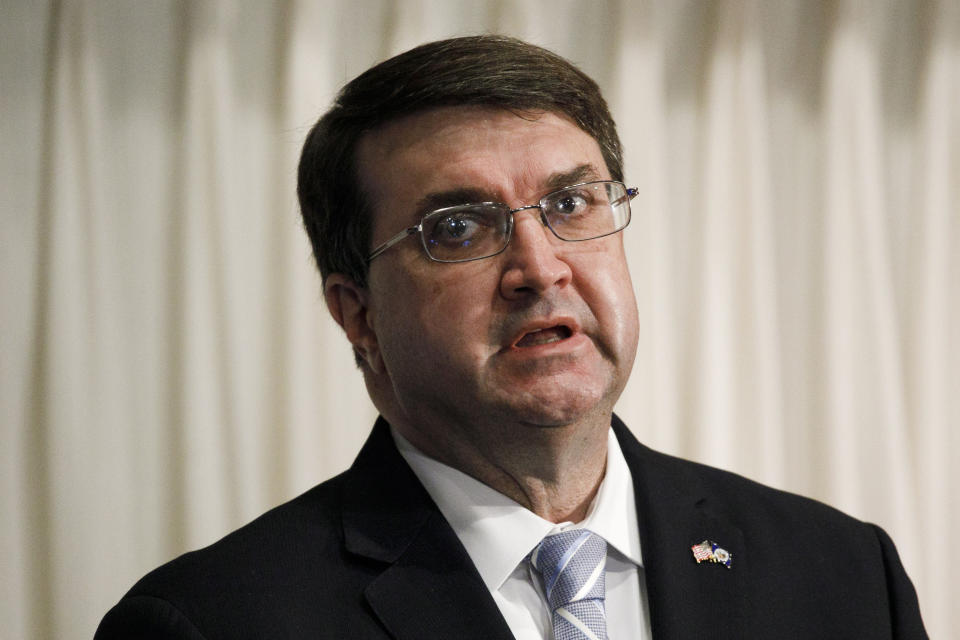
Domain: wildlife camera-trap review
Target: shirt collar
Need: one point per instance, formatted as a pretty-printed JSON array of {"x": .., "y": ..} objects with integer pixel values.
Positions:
[{"x": 498, "y": 533}]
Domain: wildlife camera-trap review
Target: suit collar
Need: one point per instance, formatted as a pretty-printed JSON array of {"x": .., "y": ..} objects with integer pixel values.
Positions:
[
  {"x": 384, "y": 506},
  {"x": 388, "y": 517},
  {"x": 676, "y": 510}
]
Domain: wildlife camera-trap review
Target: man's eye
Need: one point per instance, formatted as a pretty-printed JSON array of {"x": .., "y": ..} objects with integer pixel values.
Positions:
[
  {"x": 571, "y": 204},
  {"x": 457, "y": 229}
]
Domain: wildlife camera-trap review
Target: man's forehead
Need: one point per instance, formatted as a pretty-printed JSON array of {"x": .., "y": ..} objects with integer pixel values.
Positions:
[{"x": 448, "y": 148}]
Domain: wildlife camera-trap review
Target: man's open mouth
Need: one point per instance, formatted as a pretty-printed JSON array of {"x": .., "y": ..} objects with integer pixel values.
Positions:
[{"x": 544, "y": 336}]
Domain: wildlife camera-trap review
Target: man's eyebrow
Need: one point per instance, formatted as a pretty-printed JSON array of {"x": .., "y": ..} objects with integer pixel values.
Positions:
[
  {"x": 583, "y": 173},
  {"x": 471, "y": 195},
  {"x": 452, "y": 198}
]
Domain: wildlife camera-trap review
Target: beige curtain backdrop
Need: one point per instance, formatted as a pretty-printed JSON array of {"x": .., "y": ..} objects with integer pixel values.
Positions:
[{"x": 169, "y": 371}]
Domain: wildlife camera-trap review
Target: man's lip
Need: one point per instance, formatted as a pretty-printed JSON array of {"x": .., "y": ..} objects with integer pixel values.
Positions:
[{"x": 569, "y": 324}]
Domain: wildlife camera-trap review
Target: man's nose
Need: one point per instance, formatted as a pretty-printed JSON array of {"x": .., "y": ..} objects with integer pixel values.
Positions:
[{"x": 533, "y": 263}]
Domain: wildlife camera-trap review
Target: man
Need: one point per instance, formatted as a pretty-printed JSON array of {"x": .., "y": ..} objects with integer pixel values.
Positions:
[{"x": 465, "y": 202}]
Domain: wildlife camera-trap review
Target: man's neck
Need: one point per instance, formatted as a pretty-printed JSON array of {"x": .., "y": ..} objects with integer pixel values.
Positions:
[{"x": 552, "y": 471}]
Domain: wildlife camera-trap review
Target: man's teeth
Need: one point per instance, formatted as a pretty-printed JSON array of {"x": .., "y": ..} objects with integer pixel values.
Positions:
[{"x": 543, "y": 336}]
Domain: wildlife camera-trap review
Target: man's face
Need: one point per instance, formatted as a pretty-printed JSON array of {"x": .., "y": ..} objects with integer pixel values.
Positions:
[{"x": 544, "y": 333}]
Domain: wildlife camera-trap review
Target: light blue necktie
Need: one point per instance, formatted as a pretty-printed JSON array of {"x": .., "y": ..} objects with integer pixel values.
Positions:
[{"x": 571, "y": 565}]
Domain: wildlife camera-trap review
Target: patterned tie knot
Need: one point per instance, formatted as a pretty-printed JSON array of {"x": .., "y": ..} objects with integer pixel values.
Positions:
[{"x": 571, "y": 565}]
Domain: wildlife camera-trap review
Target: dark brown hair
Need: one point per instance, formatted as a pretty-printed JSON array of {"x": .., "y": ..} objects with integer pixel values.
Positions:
[{"x": 489, "y": 70}]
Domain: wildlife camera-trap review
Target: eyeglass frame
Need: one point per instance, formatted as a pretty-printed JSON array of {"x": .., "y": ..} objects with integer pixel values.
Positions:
[{"x": 629, "y": 194}]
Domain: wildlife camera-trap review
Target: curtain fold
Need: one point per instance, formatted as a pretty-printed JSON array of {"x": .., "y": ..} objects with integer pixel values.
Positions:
[{"x": 169, "y": 370}]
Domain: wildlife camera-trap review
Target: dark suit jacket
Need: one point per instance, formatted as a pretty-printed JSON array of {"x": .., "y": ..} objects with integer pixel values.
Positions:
[{"x": 367, "y": 554}]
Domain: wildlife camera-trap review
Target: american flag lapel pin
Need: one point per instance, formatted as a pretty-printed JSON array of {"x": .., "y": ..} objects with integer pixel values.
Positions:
[{"x": 709, "y": 551}]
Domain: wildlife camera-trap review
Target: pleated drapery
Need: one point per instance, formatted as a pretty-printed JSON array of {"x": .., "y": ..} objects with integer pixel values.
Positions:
[{"x": 169, "y": 371}]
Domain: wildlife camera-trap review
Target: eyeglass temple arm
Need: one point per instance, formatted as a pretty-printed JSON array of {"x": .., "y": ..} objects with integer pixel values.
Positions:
[
  {"x": 629, "y": 195},
  {"x": 409, "y": 231}
]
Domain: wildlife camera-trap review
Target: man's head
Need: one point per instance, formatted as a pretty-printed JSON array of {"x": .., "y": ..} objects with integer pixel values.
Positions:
[
  {"x": 494, "y": 71},
  {"x": 457, "y": 356}
]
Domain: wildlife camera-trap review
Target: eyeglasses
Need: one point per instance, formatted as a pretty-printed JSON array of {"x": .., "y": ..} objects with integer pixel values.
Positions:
[{"x": 475, "y": 231}]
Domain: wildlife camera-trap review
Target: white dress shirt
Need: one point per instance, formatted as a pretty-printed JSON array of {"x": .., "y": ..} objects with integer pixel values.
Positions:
[{"x": 498, "y": 533}]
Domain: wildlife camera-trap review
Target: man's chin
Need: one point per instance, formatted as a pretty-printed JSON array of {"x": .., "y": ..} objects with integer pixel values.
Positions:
[{"x": 556, "y": 409}]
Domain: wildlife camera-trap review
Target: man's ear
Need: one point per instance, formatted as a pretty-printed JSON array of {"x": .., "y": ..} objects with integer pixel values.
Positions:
[{"x": 349, "y": 304}]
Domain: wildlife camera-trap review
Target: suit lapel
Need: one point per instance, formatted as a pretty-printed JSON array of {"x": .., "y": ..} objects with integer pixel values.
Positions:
[
  {"x": 429, "y": 587},
  {"x": 687, "y": 600}
]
